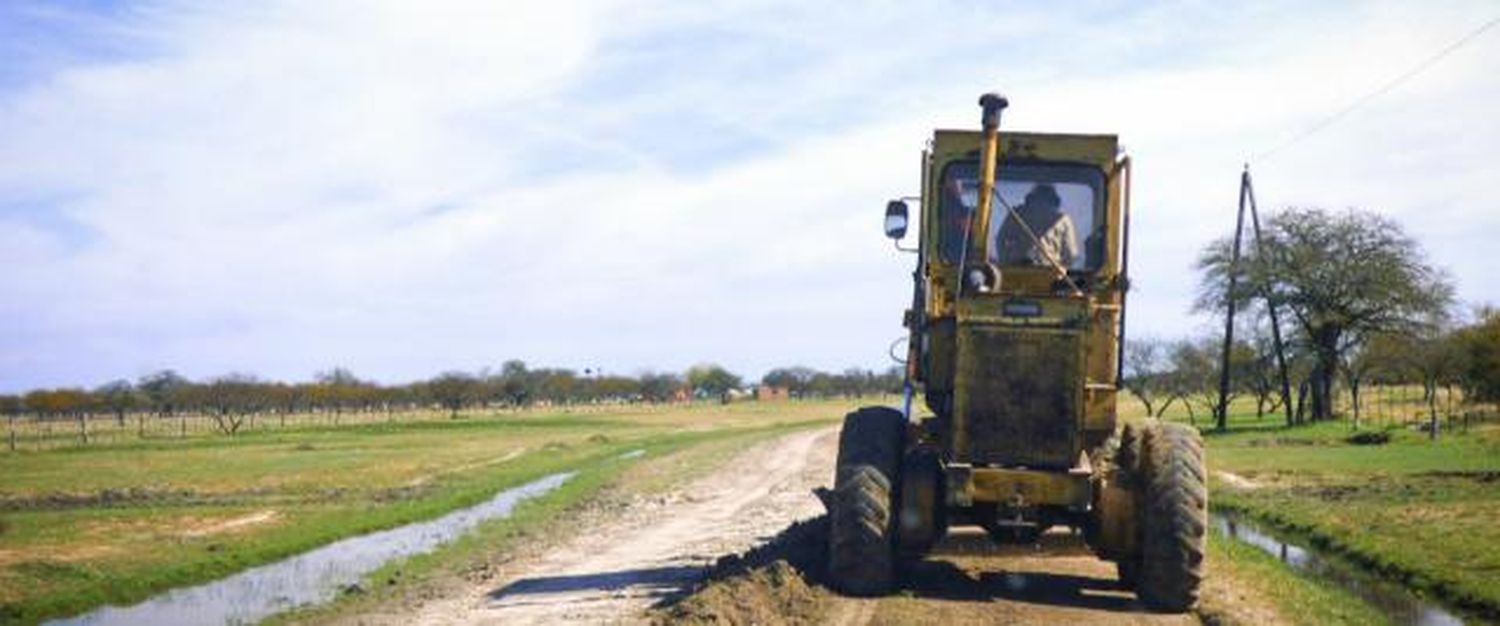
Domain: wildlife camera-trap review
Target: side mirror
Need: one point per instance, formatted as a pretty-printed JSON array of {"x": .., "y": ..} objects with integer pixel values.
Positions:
[{"x": 895, "y": 219}]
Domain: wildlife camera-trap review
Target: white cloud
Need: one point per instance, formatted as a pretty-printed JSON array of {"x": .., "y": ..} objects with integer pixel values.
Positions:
[{"x": 409, "y": 188}]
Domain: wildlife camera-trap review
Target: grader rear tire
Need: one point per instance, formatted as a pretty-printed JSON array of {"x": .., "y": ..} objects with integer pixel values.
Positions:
[
  {"x": 1175, "y": 518},
  {"x": 1129, "y": 572},
  {"x": 1127, "y": 459},
  {"x": 862, "y": 525}
]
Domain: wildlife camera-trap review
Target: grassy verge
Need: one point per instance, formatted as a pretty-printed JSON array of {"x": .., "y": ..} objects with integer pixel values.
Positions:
[
  {"x": 84, "y": 527},
  {"x": 1247, "y": 586},
  {"x": 1415, "y": 511}
]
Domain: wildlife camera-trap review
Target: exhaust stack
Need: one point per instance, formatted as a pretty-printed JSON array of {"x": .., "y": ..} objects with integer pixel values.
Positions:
[{"x": 992, "y": 104}]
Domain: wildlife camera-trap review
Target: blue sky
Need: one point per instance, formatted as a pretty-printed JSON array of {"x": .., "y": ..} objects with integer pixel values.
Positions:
[{"x": 404, "y": 188}]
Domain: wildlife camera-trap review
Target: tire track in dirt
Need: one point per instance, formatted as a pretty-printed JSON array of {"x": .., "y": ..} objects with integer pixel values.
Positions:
[
  {"x": 1058, "y": 580},
  {"x": 614, "y": 572}
]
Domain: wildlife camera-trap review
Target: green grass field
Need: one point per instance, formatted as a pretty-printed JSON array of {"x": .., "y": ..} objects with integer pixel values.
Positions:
[
  {"x": 1416, "y": 511},
  {"x": 114, "y": 524}
]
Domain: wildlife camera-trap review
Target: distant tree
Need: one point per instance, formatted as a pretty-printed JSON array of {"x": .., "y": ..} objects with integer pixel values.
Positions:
[
  {"x": 420, "y": 393},
  {"x": 1146, "y": 373},
  {"x": 1194, "y": 375},
  {"x": 711, "y": 379},
  {"x": 118, "y": 396},
  {"x": 1262, "y": 371},
  {"x": 518, "y": 385},
  {"x": 556, "y": 385},
  {"x": 62, "y": 402},
  {"x": 892, "y": 381},
  {"x": 162, "y": 390},
  {"x": 1338, "y": 277},
  {"x": 11, "y": 405},
  {"x": 339, "y": 389},
  {"x": 68, "y": 402},
  {"x": 454, "y": 391},
  {"x": 1379, "y": 353},
  {"x": 822, "y": 385},
  {"x": 1435, "y": 354},
  {"x": 796, "y": 379},
  {"x": 286, "y": 399},
  {"x": 615, "y": 388},
  {"x": 232, "y": 399},
  {"x": 659, "y": 387},
  {"x": 1479, "y": 367}
]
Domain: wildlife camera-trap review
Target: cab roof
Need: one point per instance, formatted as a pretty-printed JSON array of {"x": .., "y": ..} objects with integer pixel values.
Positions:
[{"x": 1099, "y": 150}]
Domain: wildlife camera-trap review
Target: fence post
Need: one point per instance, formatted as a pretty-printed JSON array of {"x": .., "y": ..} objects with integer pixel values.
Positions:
[{"x": 11, "y": 422}]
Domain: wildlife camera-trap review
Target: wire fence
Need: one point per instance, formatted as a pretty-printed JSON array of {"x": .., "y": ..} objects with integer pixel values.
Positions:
[
  {"x": 33, "y": 432},
  {"x": 1385, "y": 406},
  {"x": 1413, "y": 406}
]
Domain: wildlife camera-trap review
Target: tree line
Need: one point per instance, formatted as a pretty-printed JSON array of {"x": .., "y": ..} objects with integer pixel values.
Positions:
[
  {"x": 232, "y": 398},
  {"x": 1460, "y": 361}
]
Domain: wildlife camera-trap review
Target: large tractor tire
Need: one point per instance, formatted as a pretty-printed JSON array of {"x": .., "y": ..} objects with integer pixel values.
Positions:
[
  {"x": 862, "y": 524},
  {"x": 1126, "y": 472},
  {"x": 1174, "y": 518},
  {"x": 922, "y": 516},
  {"x": 1127, "y": 460}
]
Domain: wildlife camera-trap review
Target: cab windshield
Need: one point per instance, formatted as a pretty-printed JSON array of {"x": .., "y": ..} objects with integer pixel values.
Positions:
[{"x": 1041, "y": 212}]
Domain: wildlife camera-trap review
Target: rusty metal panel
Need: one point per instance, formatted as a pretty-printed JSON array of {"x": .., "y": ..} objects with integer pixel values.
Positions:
[{"x": 1019, "y": 395}]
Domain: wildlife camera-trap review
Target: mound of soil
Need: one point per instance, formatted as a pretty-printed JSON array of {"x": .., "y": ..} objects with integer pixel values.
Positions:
[
  {"x": 778, "y": 582},
  {"x": 773, "y": 594}
]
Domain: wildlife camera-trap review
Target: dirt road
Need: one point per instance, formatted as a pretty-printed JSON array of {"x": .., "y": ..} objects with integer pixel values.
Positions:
[{"x": 615, "y": 572}]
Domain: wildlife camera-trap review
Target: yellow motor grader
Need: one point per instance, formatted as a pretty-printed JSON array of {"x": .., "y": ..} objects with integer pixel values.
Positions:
[{"x": 1016, "y": 333}]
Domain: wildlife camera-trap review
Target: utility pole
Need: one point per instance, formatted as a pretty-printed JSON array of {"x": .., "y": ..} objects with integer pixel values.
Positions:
[{"x": 1221, "y": 412}]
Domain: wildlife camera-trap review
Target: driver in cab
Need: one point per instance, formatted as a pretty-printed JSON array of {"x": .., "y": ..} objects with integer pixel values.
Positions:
[{"x": 1056, "y": 238}]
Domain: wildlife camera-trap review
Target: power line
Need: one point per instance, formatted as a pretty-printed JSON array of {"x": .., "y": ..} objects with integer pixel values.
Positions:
[{"x": 1384, "y": 89}]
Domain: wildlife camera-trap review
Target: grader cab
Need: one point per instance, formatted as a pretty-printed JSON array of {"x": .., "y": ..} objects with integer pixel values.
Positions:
[{"x": 1016, "y": 330}]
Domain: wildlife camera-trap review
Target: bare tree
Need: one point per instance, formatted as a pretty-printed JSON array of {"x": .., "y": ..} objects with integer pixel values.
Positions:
[
  {"x": 232, "y": 399},
  {"x": 1146, "y": 373}
]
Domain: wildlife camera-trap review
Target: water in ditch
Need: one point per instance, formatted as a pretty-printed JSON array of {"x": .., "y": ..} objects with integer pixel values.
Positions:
[
  {"x": 312, "y": 577},
  {"x": 1395, "y": 601}
]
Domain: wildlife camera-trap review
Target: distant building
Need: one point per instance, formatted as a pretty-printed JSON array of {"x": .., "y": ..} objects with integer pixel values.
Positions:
[{"x": 767, "y": 393}]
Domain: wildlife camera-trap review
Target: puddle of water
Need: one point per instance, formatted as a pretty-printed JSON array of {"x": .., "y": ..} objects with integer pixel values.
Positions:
[
  {"x": 633, "y": 454},
  {"x": 312, "y": 577},
  {"x": 1395, "y": 601}
]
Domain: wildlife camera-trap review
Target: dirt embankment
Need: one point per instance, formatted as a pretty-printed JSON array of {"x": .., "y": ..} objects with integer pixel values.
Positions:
[{"x": 966, "y": 580}]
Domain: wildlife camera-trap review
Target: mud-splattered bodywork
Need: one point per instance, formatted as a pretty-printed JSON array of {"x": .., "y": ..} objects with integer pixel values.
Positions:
[{"x": 1021, "y": 375}]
